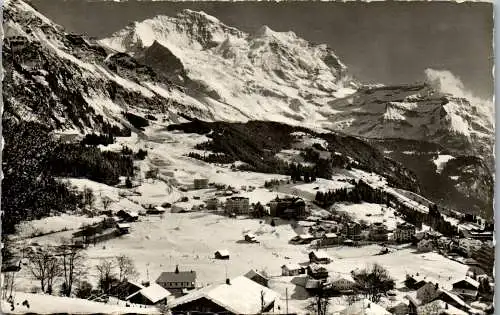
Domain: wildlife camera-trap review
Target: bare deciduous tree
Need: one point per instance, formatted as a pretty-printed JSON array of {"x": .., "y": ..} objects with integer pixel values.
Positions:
[
  {"x": 106, "y": 202},
  {"x": 373, "y": 282},
  {"x": 106, "y": 270},
  {"x": 45, "y": 267},
  {"x": 88, "y": 197},
  {"x": 72, "y": 260},
  {"x": 126, "y": 268}
]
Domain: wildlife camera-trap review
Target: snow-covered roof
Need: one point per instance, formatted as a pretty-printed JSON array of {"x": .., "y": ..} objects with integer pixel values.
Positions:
[
  {"x": 441, "y": 306},
  {"x": 364, "y": 307},
  {"x": 153, "y": 293},
  {"x": 306, "y": 236},
  {"x": 123, "y": 225},
  {"x": 252, "y": 273},
  {"x": 320, "y": 254},
  {"x": 251, "y": 235},
  {"x": 455, "y": 297},
  {"x": 241, "y": 296},
  {"x": 470, "y": 281},
  {"x": 223, "y": 252},
  {"x": 292, "y": 266},
  {"x": 330, "y": 235}
]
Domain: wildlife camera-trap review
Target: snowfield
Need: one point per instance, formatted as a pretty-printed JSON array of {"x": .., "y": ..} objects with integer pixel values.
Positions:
[
  {"x": 370, "y": 213},
  {"x": 441, "y": 160},
  {"x": 49, "y": 304}
]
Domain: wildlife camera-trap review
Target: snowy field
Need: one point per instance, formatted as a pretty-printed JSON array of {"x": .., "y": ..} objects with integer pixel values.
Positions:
[
  {"x": 53, "y": 224},
  {"x": 189, "y": 240},
  {"x": 49, "y": 304},
  {"x": 370, "y": 212}
]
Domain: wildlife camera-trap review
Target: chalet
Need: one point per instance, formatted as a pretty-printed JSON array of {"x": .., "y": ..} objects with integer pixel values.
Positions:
[
  {"x": 257, "y": 277},
  {"x": 200, "y": 183},
  {"x": 251, "y": 238},
  {"x": 289, "y": 207},
  {"x": 452, "y": 299},
  {"x": 320, "y": 257},
  {"x": 177, "y": 281},
  {"x": 427, "y": 292},
  {"x": 317, "y": 272},
  {"x": 329, "y": 239},
  {"x": 124, "y": 290},
  {"x": 123, "y": 228},
  {"x": 292, "y": 270},
  {"x": 237, "y": 296},
  {"x": 466, "y": 288},
  {"x": 415, "y": 281},
  {"x": 222, "y": 254},
  {"x": 237, "y": 205},
  {"x": 128, "y": 216},
  {"x": 378, "y": 232},
  {"x": 302, "y": 239},
  {"x": 153, "y": 294},
  {"x": 404, "y": 232}
]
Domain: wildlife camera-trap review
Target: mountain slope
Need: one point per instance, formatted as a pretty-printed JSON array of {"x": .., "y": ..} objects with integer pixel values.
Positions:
[
  {"x": 267, "y": 75},
  {"x": 70, "y": 82},
  {"x": 279, "y": 76},
  {"x": 416, "y": 112}
]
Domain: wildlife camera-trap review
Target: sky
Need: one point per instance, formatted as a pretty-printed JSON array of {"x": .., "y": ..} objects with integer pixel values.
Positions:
[{"x": 380, "y": 42}]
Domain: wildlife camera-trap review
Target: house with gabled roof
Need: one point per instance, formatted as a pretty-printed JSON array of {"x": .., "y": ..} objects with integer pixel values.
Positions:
[
  {"x": 222, "y": 254},
  {"x": 154, "y": 294},
  {"x": 467, "y": 288},
  {"x": 257, "y": 277},
  {"x": 177, "y": 281},
  {"x": 319, "y": 256},
  {"x": 237, "y": 296},
  {"x": 292, "y": 270}
]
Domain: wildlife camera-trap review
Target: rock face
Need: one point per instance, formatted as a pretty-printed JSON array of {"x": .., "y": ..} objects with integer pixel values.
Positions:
[
  {"x": 416, "y": 112},
  {"x": 69, "y": 82},
  {"x": 267, "y": 75}
]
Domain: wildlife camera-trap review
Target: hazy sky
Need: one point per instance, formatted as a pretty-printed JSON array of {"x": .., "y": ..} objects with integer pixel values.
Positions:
[{"x": 391, "y": 42}]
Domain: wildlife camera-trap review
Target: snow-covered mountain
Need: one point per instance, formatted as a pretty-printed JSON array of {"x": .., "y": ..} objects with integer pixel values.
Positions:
[
  {"x": 70, "y": 82},
  {"x": 279, "y": 76},
  {"x": 267, "y": 75},
  {"x": 193, "y": 64}
]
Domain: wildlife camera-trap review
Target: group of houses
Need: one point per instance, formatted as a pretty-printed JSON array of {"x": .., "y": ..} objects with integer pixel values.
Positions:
[
  {"x": 327, "y": 234},
  {"x": 463, "y": 298},
  {"x": 246, "y": 294}
]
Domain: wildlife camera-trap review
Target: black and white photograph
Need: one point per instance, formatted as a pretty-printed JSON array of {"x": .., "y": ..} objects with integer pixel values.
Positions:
[{"x": 247, "y": 157}]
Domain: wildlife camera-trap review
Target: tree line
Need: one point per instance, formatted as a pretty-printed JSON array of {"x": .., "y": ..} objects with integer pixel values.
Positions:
[{"x": 360, "y": 192}]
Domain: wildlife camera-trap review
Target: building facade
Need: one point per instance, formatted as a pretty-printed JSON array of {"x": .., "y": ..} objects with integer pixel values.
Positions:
[
  {"x": 237, "y": 205},
  {"x": 404, "y": 232},
  {"x": 200, "y": 183}
]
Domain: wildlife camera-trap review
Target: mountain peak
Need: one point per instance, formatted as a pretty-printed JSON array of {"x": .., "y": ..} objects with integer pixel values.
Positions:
[{"x": 200, "y": 15}]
